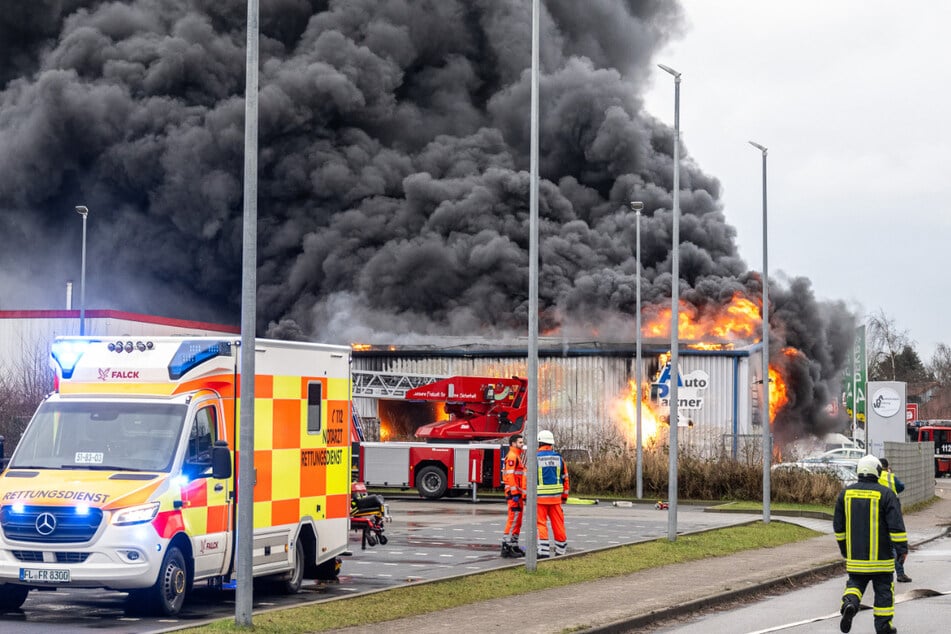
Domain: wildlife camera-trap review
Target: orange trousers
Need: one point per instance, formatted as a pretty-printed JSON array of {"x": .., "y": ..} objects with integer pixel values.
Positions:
[
  {"x": 513, "y": 524},
  {"x": 555, "y": 514}
]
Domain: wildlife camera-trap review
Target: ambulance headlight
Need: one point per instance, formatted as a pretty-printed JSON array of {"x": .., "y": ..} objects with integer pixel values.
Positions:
[{"x": 136, "y": 514}]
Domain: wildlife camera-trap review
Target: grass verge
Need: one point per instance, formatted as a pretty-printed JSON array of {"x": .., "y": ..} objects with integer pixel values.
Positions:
[{"x": 441, "y": 595}]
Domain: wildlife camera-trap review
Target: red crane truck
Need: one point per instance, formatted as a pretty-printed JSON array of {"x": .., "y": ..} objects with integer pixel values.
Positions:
[{"x": 454, "y": 455}]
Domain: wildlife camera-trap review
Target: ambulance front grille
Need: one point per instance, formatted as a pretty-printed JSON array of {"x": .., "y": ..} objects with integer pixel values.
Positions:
[
  {"x": 28, "y": 555},
  {"x": 61, "y": 557},
  {"x": 50, "y": 524}
]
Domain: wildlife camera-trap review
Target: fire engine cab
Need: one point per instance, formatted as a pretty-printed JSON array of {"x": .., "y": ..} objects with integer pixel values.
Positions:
[
  {"x": 124, "y": 477},
  {"x": 940, "y": 435}
]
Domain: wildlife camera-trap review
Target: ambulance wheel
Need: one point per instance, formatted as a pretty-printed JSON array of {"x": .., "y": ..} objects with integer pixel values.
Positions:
[
  {"x": 167, "y": 596},
  {"x": 291, "y": 584},
  {"x": 12, "y": 596},
  {"x": 431, "y": 482}
]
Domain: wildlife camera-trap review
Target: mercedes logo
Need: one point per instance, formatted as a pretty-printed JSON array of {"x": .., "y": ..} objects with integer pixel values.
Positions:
[{"x": 45, "y": 523}]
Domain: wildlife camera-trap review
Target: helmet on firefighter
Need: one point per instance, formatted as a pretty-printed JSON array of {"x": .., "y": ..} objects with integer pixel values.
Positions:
[
  {"x": 545, "y": 437},
  {"x": 869, "y": 465}
]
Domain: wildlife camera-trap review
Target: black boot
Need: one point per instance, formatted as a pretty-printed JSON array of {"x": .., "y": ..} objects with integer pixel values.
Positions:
[
  {"x": 849, "y": 610},
  {"x": 506, "y": 551}
]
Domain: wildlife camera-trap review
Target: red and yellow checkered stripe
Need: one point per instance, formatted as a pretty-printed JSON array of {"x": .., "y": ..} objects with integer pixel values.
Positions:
[{"x": 300, "y": 474}]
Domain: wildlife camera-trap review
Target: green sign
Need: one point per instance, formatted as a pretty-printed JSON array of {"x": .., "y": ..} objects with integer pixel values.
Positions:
[{"x": 857, "y": 378}]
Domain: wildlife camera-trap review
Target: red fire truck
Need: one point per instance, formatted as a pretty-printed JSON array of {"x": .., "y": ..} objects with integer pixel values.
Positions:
[
  {"x": 941, "y": 436},
  {"x": 454, "y": 455}
]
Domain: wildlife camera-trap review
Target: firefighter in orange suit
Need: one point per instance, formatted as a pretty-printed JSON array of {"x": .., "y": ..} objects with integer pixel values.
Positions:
[
  {"x": 552, "y": 493},
  {"x": 513, "y": 476}
]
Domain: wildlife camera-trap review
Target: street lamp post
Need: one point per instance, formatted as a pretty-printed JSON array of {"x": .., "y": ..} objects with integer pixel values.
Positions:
[
  {"x": 84, "y": 212},
  {"x": 767, "y": 449},
  {"x": 637, "y": 205},
  {"x": 674, "y": 318}
]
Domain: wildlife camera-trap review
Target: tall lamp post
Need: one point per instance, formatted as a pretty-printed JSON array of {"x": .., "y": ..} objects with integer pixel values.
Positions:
[
  {"x": 767, "y": 449},
  {"x": 531, "y": 423},
  {"x": 674, "y": 318},
  {"x": 637, "y": 205},
  {"x": 84, "y": 212},
  {"x": 244, "y": 522}
]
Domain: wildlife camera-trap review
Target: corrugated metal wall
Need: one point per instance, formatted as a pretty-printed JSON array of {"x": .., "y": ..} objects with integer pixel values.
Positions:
[{"x": 581, "y": 397}]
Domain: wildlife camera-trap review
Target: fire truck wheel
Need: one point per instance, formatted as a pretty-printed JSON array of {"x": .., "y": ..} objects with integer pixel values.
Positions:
[
  {"x": 12, "y": 596},
  {"x": 431, "y": 482},
  {"x": 168, "y": 594},
  {"x": 292, "y": 583}
]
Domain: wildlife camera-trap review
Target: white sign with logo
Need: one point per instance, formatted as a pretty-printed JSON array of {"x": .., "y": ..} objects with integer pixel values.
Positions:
[
  {"x": 886, "y": 401},
  {"x": 691, "y": 389}
]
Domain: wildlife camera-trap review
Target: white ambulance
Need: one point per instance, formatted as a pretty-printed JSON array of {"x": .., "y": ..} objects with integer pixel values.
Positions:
[{"x": 124, "y": 477}]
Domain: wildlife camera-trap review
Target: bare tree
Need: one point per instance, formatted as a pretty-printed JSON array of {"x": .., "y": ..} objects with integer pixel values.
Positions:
[
  {"x": 940, "y": 365},
  {"x": 885, "y": 343},
  {"x": 23, "y": 384}
]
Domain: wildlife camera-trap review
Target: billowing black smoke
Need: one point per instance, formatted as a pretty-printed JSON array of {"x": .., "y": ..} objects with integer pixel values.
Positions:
[{"x": 394, "y": 184}]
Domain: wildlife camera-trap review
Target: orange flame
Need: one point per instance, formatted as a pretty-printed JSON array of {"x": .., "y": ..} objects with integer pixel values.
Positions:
[
  {"x": 626, "y": 409},
  {"x": 777, "y": 393},
  {"x": 400, "y": 419},
  {"x": 778, "y": 387},
  {"x": 740, "y": 319}
]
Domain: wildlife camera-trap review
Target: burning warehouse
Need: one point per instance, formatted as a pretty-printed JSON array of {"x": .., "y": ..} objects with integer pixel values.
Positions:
[{"x": 586, "y": 390}]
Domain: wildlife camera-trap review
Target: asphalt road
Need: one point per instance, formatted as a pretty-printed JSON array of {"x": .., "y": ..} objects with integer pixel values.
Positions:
[
  {"x": 427, "y": 540},
  {"x": 920, "y": 606}
]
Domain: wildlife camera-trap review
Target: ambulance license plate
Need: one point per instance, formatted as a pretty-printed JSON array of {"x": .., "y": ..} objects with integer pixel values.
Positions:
[{"x": 44, "y": 575}]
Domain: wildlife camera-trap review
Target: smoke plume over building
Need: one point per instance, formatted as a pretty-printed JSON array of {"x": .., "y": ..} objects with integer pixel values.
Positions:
[{"x": 394, "y": 182}]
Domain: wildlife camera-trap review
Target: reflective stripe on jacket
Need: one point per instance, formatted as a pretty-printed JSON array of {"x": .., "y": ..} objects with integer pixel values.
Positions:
[
  {"x": 890, "y": 480},
  {"x": 552, "y": 475},
  {"x": 513, "y": 475},
  {"x": 869, "y": 527}
]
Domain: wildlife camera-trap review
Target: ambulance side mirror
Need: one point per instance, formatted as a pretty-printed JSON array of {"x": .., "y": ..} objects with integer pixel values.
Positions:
[{"x": 220, "y": 460}]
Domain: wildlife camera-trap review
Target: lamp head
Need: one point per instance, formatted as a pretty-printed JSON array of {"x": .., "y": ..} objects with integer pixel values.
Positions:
[
  {"x": 670, "y": 70},
  {"x": 758, "y": 147},
  {"x": 637, "y": 205},
  {"x": 82, "y": 210}
]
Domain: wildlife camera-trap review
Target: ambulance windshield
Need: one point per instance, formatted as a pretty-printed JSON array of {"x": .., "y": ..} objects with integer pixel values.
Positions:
[{"x": 116, "y": 436}]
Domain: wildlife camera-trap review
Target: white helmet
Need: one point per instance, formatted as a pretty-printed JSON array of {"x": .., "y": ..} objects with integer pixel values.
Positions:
[
  {"x": 869, "y": 465},
  {"x": 545, "y": 437}
]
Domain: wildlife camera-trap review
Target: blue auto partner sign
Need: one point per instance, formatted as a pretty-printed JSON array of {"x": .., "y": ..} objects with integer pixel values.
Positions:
[{"x": 691, "y": 390}]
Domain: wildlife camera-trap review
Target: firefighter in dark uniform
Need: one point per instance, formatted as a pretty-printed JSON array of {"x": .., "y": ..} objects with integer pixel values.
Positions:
[{"x": 870, "y": 532}]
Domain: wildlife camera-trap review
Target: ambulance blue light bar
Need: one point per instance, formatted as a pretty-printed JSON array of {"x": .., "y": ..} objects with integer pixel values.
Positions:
[
  {"x": 191, "y": 354},
  {"x": 67, "y": 352}
]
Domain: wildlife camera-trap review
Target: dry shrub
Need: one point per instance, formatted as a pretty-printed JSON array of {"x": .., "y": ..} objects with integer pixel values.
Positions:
[{"x": 699, "y": 479}]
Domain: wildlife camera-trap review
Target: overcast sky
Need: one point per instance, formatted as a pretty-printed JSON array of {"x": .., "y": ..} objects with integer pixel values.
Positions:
[{"x": 851, "y": 98}]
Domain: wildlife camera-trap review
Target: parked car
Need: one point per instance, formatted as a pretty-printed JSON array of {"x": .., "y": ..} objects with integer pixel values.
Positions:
[
  {"x": 844, "y": 453},
  {"x": 844, "y": 474}
]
